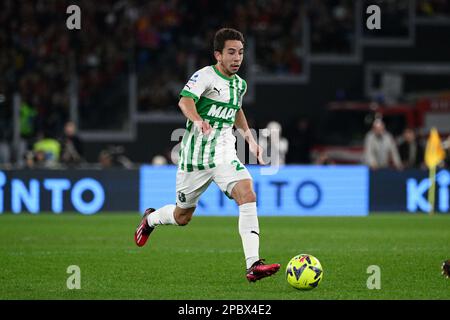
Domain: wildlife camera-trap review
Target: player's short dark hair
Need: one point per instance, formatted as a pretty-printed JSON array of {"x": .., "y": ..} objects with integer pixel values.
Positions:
[{"x": 225, "y": 34}]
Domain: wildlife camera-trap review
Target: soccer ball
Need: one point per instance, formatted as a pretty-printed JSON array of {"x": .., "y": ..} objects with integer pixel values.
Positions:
[{"x": 304, "y": 272}]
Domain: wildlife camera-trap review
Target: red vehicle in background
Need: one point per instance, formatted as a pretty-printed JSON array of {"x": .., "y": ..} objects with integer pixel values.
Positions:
[
  {"x": 343, "y": 129},
  {"x": 433, "y": 112}
]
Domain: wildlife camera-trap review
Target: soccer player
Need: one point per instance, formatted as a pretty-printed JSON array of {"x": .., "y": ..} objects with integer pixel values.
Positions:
[{"x": 212, "y": 102}]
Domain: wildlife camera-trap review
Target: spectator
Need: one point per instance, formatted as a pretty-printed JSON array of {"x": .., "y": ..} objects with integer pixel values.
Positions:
[
  {"x": 5, "y": 152},
  {"x": 274, "y": 144},
  {"x": 47, "y": 150},
  {"x": 380, "y": 150},
  {"x": 71, "y": 147},
  {"x": 105, "y": 159},
  {"x": 410, "y": 150},
  {"x": 332, "y": 27},
  {"x": 159, "y": 160},
  {"x": 324, "y": 159},
  {"x": 113, "y": 156},
  {"x": 29, "y": 160},
  {"x": 446, "y": 146},
  {"x": 27, "y": 120},
  {"x": 36, "y": 160}
]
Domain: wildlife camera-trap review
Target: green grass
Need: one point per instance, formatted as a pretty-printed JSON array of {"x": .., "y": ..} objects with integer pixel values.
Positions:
[{"x": 205, "y": 260}]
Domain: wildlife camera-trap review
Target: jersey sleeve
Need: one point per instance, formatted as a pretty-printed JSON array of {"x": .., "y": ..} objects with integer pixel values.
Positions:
[
  {"x": 244, "y": 91},
  {"x": 196, "y": 85}
]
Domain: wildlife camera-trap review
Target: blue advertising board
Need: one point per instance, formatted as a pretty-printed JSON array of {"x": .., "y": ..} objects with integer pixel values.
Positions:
[
  {"x": 407, "y": 190},
  {"x": 292, "y": 191},
  {"x": 83, "y": 191}
]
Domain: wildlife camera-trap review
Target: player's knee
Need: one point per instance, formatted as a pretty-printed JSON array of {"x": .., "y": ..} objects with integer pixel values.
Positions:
[{"x": 247, "y": 197}]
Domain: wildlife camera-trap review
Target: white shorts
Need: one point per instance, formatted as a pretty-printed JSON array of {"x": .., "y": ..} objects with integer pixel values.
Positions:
[{"x": 191, "y": 185}]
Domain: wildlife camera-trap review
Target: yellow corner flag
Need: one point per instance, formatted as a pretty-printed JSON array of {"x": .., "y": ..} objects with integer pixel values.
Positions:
[{"x": 434, "y": 154}]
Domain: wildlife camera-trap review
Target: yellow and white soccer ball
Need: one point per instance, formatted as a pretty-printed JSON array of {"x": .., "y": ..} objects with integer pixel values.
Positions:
[{"x": 304, "y": 272}]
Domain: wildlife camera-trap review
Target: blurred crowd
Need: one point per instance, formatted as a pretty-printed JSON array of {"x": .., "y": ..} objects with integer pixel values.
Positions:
[
  {"x": 380, "y": 148},
  {"x": 298, "y": 143},
  {"x": 38, "y": 58},
  {"x": 395, "y": 19},
  {"x": 332, "y": 27},
  {"x": 433, "y": 8},
  {"x": 175, "y": 38},
  {"x": 383, "y": 150},
  {"x": 163, "y": 41}
]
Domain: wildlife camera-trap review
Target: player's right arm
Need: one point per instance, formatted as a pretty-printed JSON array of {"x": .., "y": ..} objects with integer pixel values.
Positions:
[
  {"x": 187, "y": 106},
  {"x": 190, "y": 94}
]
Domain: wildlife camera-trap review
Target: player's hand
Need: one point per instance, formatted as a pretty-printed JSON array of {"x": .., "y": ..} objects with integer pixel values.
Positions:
[
  {"x": 203, "y": 126},
  {"x": 257, "y": 151},
  {"x": 206, "y": 128}
]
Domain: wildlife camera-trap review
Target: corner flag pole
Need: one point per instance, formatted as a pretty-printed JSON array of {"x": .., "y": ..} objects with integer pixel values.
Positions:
[
  {"x": 434, "y": 154},
  {"x": 432, "y": 190}
]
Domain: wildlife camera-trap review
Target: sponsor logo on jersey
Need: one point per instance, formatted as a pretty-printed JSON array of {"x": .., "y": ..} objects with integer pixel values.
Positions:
[{"x": 222, "y": 112}]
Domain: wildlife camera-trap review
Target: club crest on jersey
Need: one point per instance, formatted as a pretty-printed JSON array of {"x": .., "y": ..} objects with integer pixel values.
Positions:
[{"x": 222, "y": 112}]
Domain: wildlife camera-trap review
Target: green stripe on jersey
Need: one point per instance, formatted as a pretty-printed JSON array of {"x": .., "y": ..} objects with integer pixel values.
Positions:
[
  {"x": 241, "y": 91},
  {"x": 235, "y": 93},
  {"x": 207, "y": 150},
  {"x": 205, "y": 141},
  {"x": 212, "y": 151},
  {"x": 194, "y": 154},
  {"x": 190, "y": 155},
  {"x": 244, "y": 89},
  {"x": 186, "y": 135},
  {"x": 232, "y": 91}
]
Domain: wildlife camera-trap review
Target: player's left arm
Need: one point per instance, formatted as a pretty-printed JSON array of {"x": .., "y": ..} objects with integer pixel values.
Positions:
[{"x": 242, "y": 124}]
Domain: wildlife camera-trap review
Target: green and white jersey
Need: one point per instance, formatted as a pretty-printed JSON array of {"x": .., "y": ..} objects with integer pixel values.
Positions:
[{"x": 217, "y": 98}]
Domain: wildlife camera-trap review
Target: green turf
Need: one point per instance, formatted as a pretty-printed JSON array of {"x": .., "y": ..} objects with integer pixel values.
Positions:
[{"x": 205, "y": 260}]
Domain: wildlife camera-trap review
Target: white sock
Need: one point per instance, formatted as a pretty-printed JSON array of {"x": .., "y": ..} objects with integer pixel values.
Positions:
[
  {"x": 163, "y": 215},
  {"x": 249, "y": 231}
]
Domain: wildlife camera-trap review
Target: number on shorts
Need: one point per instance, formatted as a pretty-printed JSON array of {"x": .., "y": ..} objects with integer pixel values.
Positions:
[
  {"x": 238, "y": 165},
  {"x": 181, "y": 197}
]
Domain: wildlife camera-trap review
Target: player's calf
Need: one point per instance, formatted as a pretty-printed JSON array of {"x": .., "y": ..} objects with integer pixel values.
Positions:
[{"x": 183, "y": 216}]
